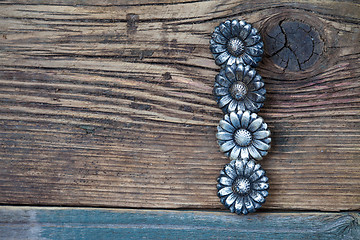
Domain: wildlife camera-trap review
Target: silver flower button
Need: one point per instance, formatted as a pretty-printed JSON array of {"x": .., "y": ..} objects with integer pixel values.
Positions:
[
  {"x": 243, "y": 135},
  {"x": 236, "y": 42},
  {"x": 239, "y": 87},
  {"x": 242, "y": 186}
]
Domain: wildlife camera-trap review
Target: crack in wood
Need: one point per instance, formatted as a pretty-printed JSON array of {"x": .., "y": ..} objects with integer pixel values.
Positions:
[{"x": 293, "y": 45}]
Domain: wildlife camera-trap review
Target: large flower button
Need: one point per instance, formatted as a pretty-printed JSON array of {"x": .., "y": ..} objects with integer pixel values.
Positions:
[
  {"x": 242, "y": 186},
  {"x": 239, "y": 87},
  {"x": 236, "y": 42},
  {"x": 243, "y": 135}
]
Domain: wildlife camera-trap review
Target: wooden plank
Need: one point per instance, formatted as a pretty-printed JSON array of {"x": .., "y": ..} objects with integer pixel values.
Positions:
[
  {"x": 110, "y": 104},
  {"x": 88, "y": 223}
]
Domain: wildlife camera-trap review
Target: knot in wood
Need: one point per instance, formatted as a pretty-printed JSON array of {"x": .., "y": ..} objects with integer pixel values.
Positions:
[{"x": 293, "y": 45}]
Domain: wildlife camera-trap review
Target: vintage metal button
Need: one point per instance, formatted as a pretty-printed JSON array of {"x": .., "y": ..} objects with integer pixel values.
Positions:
[
  {"x": 236, "y": 42},
  {"x": 239, "y": 87},
  {"x": 243, "y": 135},
  {"x": 242, "y": 186}
]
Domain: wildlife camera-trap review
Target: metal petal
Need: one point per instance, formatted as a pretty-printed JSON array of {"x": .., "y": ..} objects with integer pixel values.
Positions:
[
  {"x": 239, "y": 167},
  {"x": 254, "y": 153},
  {"x": 264, "y": 179},
  {"x": 257, "y": 167},
  {"x": 232, "y": 206},
  {"x": 251, "y": 60},
  {"x": 226, "y": 126},
  {"x": 224, "y": 136},
  {"x": 256, "y": 204},
  {"x": 230, "y": 200},
  {"x": 239, "y": 60},
  {"x": 261, "y": 134},
  {"x": 261, "y": 145},
  {"x": 224, "y": 100},
  {"x": 246, "y": 69},
  {"x": 257, "y": 197},
  {"x": 257, "y": 175},
  {"x": 231, "y": 60},
  {"x": 245, "y": 119},
  {"x": 242, "y": 23},
  {"x": 230, "y": 171},
  {"x": 228, "y": 145},
  {"x": 227, "y": 118},
  {"x": 234, "y": 120},
  {"x": 224, "y": 191},
  {"x": 249, "y": 76},
  {"x": 256, "y": 97},
  {"x": 259, "y": 186},
  {"x": 222, "y": 80},
  {"x": 263, "y": 127},
  {"x": 223, "y": 57},
  {"x": 244, "y": 33},
  {"x": 218, "y": 48},
  {"x": 264, "y": 193},
  {"x": 250, "y": 105},
  {"x": 254, "y": 51},
  {"x": 267, "y": 140},
  {"x": 239, "y": 204},
  {"x": 232, "y": 106},
  {"x": 244, "y": 153},
  {"x": 221, "y": 91},
  {"x": 255, "y": 86},
  {"x": 249, "y": 168},
  {"x": 232, "y": 164},
  {"x": 219, "y": 38},
  {"x": 248, "y": 204},
  {"x": 241, "y": 106},
  {"x": 255, "y": 125},
  {"x": 257, "y": 78},
  {"x": 239, "y": 72},
  {"x": 235, "y": 152},
  {"x": 261, "y": 91},
  {"x": 253, "y": 38},
  {"x": 225, "y": 181},
  {"x": 244, "y": 210},
  {"x": 263, "y": 153},
  {"x": 235, "y": 27},
  {"x": 253, "y": 116},
  {"x": 230, "y": 74},
  {"x": 225, "y": 29}
]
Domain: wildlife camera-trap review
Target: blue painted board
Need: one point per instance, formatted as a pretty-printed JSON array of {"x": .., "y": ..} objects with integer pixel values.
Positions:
[{"x": 98, "y": 223}]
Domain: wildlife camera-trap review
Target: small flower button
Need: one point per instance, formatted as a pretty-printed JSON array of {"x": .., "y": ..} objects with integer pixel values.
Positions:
[
  {"x": 236, "y": 42},
  {"x": 239, "y": 87},
  {"x": 242, "y": 186},
  {"x": 243, "y": 135}
]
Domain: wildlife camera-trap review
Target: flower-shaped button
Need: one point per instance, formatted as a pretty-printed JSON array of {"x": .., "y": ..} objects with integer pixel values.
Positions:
[
  {"x": 243, "y": 135},
  {"x": 242, "y": 186},
  {"x": 236, "y": 42},
  {"x": 239, "y": 87}
]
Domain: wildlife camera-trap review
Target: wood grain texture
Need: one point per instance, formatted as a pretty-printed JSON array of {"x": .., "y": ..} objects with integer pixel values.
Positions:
[
  {"x": 92, "y": 223},
  {"x": 109, "y": 103}
]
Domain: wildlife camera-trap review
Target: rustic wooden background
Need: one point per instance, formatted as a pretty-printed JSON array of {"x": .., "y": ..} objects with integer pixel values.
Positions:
[{"x": 109, "y": 103}]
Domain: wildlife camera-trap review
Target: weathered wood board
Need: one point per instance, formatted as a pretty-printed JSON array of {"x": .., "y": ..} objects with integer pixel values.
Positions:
[
  {"x": 92, "y": 223},
  {"x": 109, "y": 103}
]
